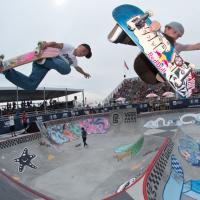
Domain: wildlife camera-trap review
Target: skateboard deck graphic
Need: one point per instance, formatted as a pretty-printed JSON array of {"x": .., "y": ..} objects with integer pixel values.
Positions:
[
  {"x": 29, "y": 57},
  {"x": 135, "y": 23}
]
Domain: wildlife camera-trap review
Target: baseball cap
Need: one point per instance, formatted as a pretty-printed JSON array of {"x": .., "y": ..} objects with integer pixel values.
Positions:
[
  {"x": 89, "y": 55},
  {"x": 178, "y": 27}
]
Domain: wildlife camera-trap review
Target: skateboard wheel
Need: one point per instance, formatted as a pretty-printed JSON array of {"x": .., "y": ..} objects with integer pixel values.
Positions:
[
  {"x": 37, "y": 51},
  {"x": 39, "y": 43},
  {"x": 182, "y": 72},
  {"x": 131, "y": 25},
  {"x": 178, "y": 83},
  {"x": 149, "y": 12}
]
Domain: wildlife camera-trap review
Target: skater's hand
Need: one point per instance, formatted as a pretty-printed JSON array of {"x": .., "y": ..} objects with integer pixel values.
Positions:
[
  {"x": 87, "y": 75},
  {"x": 80, "y": 70},
  {"x": 155, "y": 26}
]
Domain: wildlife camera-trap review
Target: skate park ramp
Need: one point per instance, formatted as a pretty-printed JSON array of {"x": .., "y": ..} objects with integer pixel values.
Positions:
[
  {"x": 147, "y": 156},
  {"x": 11, "y": 189}
]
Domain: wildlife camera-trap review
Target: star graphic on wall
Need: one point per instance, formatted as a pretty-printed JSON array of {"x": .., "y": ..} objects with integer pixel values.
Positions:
[{"x": 25, "y": 160}]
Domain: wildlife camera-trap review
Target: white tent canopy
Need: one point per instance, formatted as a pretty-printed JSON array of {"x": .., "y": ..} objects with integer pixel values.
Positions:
[
  {"x": 151, "y": 95},
  {"x": 168, "y": 94},
  {"x": 121, "y": 99}
]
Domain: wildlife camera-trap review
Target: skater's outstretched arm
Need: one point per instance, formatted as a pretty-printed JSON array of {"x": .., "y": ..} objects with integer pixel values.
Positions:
[
  {"x": 188, "y": 47},
  {"x": 80, "y": 70},
  {"x": 155, "y": 26}
]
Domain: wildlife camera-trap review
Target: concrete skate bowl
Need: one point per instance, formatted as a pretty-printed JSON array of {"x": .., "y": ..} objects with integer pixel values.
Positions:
[
  {"x": 129, "y": 157},
  {"x": 174, "y": 171}
]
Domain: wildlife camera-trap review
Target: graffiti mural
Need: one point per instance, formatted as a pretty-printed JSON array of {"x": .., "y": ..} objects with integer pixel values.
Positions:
[
  {"x": 189, "y": 118},
  {"x": 62, "y": 133},
  {"x": 134, "y": 148},
  {"x": 189, "y": 149},
  {"x": 160, "y": 122},
  {"x": 25, "y": 160},
  {"x": 176, "y": 186},
  {"x": 95, "y": 125},
  {"x": 74, "y": 128},
  {"x": 68, "y": 133},
  {"x": 123, "y": 148},
  {"x": 129, "y": 149},
  {"x": 56, "y": 135},
  {"x": 92, "y": 126},
  {"x": 192, "y": 189}
]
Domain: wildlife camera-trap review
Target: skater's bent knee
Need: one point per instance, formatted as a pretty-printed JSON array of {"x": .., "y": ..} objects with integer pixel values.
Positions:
[{"x": 64, "y": 70}]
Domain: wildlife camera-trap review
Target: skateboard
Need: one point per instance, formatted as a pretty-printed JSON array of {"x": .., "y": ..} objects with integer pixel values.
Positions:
[
  {"x": 133, "y": 27},
  {"x": 78, "y": 145},
  {"x": 35, "y": 55}
]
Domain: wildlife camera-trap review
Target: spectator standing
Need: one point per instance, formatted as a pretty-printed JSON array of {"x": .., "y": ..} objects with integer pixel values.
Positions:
[
  {"x": 12, "y": 125},
  {"x": 24, "y": 120}
]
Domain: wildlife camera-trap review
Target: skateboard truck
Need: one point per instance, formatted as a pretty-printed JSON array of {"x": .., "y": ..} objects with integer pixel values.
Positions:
[
  {"x": 139, "y": 22},
  {"x": 182, "y": 69},
  {"x": 179, "y": 81},
  {"x": 38, "y": 48},
  {"x": 38, "y": 51}
]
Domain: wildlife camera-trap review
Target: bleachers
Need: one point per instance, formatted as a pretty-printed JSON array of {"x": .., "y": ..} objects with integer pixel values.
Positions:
[{"x": 135, "y": 90}]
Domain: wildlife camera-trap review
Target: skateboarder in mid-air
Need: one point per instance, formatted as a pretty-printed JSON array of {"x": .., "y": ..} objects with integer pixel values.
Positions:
[
  {"x": 62, "y": 63},
  {"x": 145, "y": 69}
]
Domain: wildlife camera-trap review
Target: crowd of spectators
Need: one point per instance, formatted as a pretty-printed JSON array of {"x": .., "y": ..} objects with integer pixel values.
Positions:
[
  {"x": 134, "y": 90},
  {"x": 29, "y": 106}
]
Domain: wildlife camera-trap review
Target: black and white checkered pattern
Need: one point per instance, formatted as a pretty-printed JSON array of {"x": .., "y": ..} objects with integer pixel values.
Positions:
[
  {"x": 176, "y": 166},
  {"x": 154, "y": 178},
  {"x": 18, "y": 140},
  {"x": 130, "y": 117}
]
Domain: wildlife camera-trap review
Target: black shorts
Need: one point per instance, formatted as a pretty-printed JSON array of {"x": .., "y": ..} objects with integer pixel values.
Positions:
[
  {"x": 25, "y": 125},
  {"x": 145, "y": 69},
  {"x": 12, "y": 128}
]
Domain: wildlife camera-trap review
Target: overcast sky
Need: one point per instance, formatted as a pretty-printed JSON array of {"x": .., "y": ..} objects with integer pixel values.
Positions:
[{"x": 25, "y": 22}]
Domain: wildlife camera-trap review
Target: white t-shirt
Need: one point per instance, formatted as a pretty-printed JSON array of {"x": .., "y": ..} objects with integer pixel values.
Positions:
[
  {"x": 11, "y": 120},
  {"x": 67, "y": 53}
]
